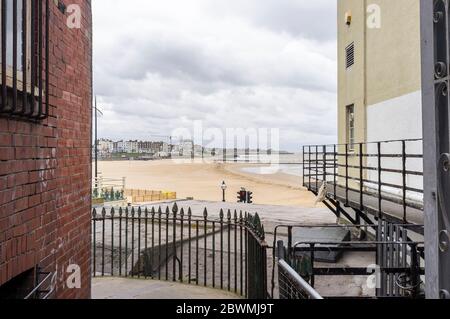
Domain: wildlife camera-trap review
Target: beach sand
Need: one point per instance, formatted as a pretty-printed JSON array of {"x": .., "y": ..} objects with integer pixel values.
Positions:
[{"x": 202, "y": 181}]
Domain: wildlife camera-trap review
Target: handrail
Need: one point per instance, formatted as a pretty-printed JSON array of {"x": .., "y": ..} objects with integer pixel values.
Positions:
[
  {"x": 373, "y": 142},
  {"x": 37, "y": 289},
  {"x": 297, "y": 280}
]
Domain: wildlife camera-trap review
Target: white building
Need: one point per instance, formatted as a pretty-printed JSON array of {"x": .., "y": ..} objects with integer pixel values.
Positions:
[
  {"x": 186, "y": 147},
  {"x": 105, "y": 147},
  {"x": 131, "y": 147}
]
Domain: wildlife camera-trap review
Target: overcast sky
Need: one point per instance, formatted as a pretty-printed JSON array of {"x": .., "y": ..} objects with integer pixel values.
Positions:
[{"x": 160, "y": 65}]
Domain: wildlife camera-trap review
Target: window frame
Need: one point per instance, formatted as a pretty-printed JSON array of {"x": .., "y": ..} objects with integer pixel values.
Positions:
[
  {"x": 10, "y": 68},
  {"x": 24, "y": 91},
  {"x": 350, "y": 127}
]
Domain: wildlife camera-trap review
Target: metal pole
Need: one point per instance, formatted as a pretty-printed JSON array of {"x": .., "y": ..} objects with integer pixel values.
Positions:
[{"x": 96, "y": 142}]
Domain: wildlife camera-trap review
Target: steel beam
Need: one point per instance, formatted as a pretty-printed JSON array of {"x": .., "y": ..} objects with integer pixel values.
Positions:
[{"x": 435, "y": 82}]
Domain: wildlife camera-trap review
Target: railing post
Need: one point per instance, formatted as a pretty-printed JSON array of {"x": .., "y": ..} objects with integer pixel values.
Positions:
[
  {"x": 335, "y": 161},
  {"x": 133, "y": 214},
  {"x": 309, "y": 167},
  {"x": 361, "y": 177},
  {"x": 139, "y": 214},
  {"x": 174, "y": 242},
  {"x": 182, "y": 244},
  {"x": 313, "y": 257},
  {"x": 281, "y": 252},
  {"x": 324, "y": 163},
  {"x": 229, "y": 249},
  {"x": 221, "y": 216},
  {"x": 303, "y": 165},
  {"x": 103, "y": 241},
  {"x": 94, "y": 248},
  {"x": 146, "y": 243},
  {"x": 205, "y": 248},
  {"x": 289, "y": 248},
  {"x": 404, "y": 181},
  {"x": 415, "y": 274},
  {"x": 379, "y": 181},
  {"x": 120, "y": 241},
  {"x": 346, "y": 175},
  {"x": 112, "y": 241},
  {"x": 317, "y": 168}
]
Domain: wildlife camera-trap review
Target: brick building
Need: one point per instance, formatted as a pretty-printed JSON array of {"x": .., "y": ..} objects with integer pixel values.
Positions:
[{"x": 45, "y": 141}]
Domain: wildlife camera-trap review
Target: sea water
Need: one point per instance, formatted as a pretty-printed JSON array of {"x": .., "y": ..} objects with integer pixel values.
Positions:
[{"x": 294, "y": 169}]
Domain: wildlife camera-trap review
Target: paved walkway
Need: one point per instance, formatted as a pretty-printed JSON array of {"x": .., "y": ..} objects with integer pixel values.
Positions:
[{"x": 122, "y": 288}]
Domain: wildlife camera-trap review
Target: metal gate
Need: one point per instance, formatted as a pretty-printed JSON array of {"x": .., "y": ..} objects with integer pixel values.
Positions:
[
  {"x": 227, "y": 252},
  {"x": 395, "y": 261}
]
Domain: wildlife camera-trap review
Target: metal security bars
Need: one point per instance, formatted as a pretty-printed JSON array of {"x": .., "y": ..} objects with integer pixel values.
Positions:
[
  {"x": 24, "y": 59},
  {"x": 393, "y": 261},
  {"x": 382, "y": 179},
  {"x": 227, "y": 253}
]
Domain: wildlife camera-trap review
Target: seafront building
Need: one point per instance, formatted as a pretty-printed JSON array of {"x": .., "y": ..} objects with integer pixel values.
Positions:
[
  {"x": 379, "y": 84},
  {"x": 379, "y": 67}
]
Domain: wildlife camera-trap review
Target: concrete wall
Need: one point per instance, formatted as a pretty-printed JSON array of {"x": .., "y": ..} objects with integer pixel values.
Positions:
[
  {"x": 385, "y": 82},
  {"x": 45, "y": 167},
  {"x": 387, "y": 60}
]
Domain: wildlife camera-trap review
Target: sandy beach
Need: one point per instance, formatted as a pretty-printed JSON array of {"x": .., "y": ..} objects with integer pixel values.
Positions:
[{"x": 202, "y": 181}]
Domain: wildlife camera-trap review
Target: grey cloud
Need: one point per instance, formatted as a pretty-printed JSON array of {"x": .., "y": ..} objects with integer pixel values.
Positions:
[
  {"x": 233, "y": 64},
  {"x": 314, "y": 19}
]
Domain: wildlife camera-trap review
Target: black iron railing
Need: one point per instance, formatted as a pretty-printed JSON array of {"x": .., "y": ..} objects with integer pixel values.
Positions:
[
  {"x": 384, "y": 179},
  {"x": 394, "y": 261},
  {"x": 227, "y": 253},
  {"x": 25, "y": 59}
]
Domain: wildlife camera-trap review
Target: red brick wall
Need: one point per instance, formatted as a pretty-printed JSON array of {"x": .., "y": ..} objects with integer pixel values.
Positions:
[{"x": 45, "y": 168}]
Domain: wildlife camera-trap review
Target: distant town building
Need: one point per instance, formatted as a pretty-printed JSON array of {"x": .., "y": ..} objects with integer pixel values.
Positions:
[
  {"x": 186, "y": 147},
  {"x": 105, "y": 147}
]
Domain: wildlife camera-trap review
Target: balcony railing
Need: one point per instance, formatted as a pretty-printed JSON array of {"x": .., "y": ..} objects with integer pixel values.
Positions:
[{"x": 383, "y": 179}]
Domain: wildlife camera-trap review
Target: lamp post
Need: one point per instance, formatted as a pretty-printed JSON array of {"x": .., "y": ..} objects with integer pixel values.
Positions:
[
  {"x": 224, "y": 188},
  {"x": 96, "y": 112}
]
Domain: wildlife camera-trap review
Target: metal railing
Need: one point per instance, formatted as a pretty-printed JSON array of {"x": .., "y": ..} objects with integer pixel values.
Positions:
[
  {"x": 44, "y": 286},
  {"x": 228, "y": 252},
  {"x": 384, "y": 179},
  {"x": 290, "y": 284},
  {"x": 108, "y": 189},
  {"x": 393, "y": 259},
  {"x": 25, "y": 59}
]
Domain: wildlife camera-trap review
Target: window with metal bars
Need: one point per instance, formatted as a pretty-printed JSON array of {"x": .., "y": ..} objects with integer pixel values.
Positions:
[
  {"x": 351, "y": 127},
  {"x": 350, "y": 55},
  {"x": 24, "y": 53}
]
